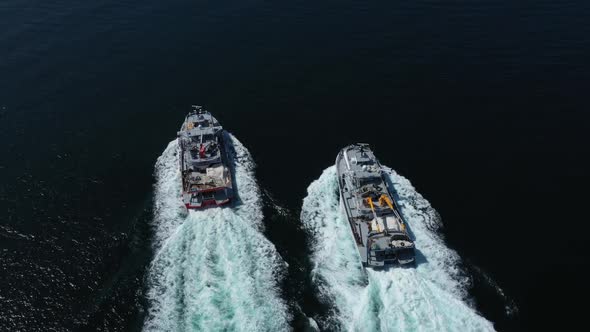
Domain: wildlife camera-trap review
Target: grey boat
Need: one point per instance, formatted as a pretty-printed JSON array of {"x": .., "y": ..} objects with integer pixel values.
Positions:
[
  {"x": 204, "y": 162},
  {"x": 378, "y": 228}
]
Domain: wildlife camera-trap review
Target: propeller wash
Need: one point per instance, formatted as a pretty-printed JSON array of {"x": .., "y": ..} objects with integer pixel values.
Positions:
[
  {"x": 429, "y": 297},
  {"x": 213, "y": 269}
]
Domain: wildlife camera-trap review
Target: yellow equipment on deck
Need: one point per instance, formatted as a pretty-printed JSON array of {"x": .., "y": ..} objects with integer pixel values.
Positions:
[
  {"x": 370, "y": 201},
  {"x": 385, "y": 199},
  {"x": 388, "y": 201}
]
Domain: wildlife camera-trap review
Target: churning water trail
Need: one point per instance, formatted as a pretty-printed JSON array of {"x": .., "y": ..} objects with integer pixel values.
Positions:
[
  {"x": 213, "y": 269},
  {"x": 430, "y": 297}
]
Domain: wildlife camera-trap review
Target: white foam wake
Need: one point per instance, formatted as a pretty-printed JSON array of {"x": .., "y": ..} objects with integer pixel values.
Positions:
[
  {"x": 213, "y": 269},
  {"x": 430, "y": 297}
]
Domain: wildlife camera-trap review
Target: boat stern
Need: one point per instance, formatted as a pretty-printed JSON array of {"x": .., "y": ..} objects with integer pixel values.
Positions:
[
  {"x": 390, "y": 249},
  {"x": 204, "y": 199}
]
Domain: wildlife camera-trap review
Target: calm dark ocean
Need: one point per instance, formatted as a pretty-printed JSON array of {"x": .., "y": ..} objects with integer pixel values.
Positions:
[{"x": 483, "y": 105}]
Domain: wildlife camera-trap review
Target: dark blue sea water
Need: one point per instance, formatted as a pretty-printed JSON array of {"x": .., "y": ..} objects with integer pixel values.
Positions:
[{"x": 482, "y": 105}]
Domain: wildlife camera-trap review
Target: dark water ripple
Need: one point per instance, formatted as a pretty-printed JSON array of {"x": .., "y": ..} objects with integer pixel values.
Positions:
[{"x": 482, "y": 104}]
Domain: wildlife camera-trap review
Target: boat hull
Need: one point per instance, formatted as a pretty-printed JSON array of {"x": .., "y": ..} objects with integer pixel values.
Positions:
[
  {"x": 205, "y": 164},
  {"x": 366, "y": 237}
]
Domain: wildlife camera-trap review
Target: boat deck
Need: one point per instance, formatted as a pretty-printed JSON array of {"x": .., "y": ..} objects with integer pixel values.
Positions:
[{"x": 369, "y": 207}]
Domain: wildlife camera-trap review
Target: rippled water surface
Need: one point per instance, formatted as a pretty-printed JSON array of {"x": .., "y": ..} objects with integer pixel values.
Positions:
[{"x": 480, "y": 104}]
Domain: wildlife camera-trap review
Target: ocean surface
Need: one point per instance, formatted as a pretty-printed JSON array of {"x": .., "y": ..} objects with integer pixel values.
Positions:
[{"x": 479, "y": 109}]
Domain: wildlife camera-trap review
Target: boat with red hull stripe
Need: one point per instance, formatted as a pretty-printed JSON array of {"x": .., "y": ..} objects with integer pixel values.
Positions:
[{"x": 204, "y": 162}]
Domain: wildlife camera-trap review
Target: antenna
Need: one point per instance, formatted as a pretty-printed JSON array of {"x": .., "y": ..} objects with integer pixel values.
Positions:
[{"x": 197, "y": 108}]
